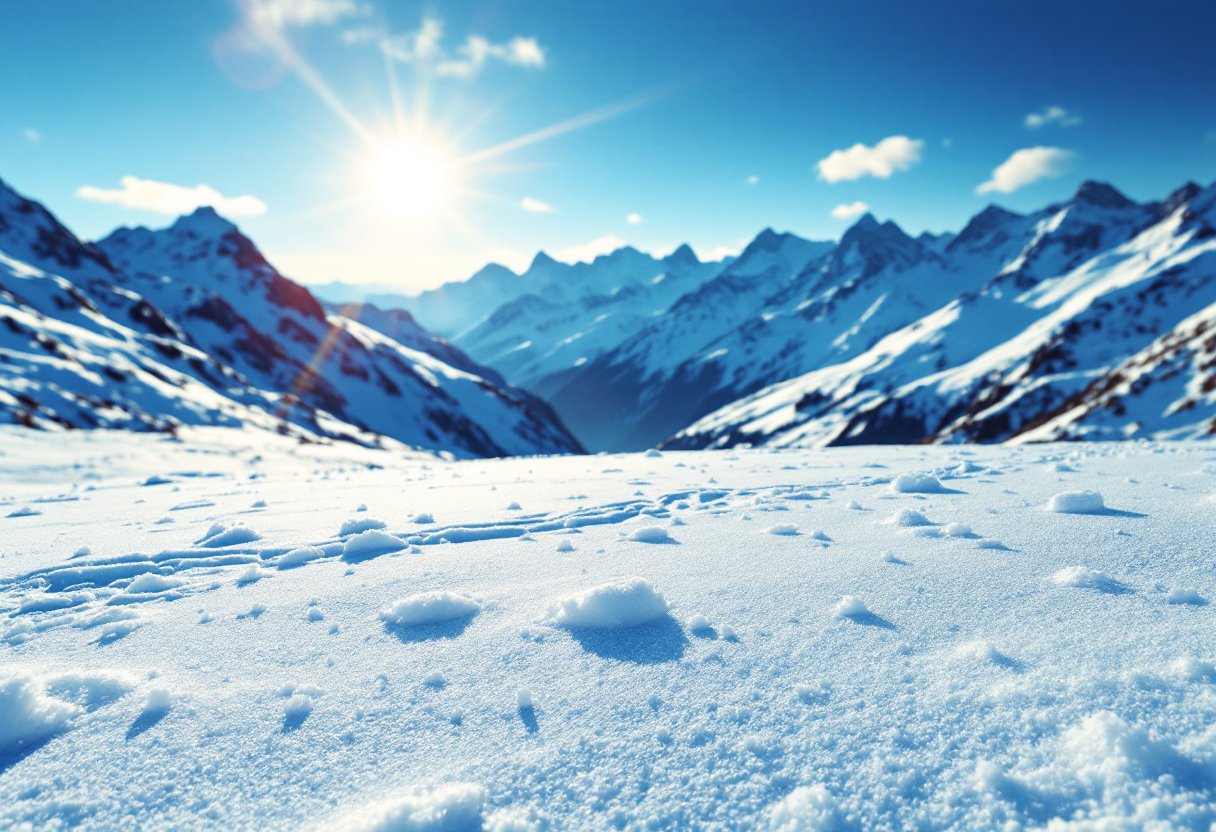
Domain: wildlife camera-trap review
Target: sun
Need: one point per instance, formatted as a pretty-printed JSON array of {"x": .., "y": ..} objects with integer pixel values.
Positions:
[{"x": 409, "y": 177}]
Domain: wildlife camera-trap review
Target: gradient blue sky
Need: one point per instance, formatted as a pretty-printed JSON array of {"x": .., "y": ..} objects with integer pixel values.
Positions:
[{"x": 715, "y": 92}]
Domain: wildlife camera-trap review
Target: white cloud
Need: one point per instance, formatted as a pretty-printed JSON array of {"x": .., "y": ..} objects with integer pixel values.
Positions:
[
  {"x": 1026, "y": 166},
  {"x": 535, "y": 206},
  {"x": 633, "y": 219},
  {"x": 31, "y": 134},
  {"x": 847, "y": 211},
  {"x": 283, "y": 13},
  {"x": 589, "y": 251},
  {"x": 423, "y": 47},
  {"x": 752, "y": 180},
  {"x": 1057, "y": 115},
  {"x": 717, "y": 253},
  {"x": 166, "y": 198},
  {"x": 894, "y": 153}
]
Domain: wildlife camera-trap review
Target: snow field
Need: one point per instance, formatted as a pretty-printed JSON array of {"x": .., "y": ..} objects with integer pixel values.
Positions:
[{"x": 964, "y": 686}]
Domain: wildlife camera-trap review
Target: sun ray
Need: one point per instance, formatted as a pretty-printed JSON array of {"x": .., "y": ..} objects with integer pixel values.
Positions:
[
  {"x": 273, "y": 38},
  {"x": 562, "y": 127}
]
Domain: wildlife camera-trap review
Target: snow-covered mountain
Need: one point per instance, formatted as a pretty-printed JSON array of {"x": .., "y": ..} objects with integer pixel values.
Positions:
[
  {"x": 191, "y": 325},
  {"x": 572, "y": 314},
  {"x": 1084, "y": 287}
]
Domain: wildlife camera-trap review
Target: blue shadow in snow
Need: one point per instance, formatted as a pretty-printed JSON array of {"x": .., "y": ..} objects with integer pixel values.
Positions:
[
  {"x": 414, "y": 633},
  {"x": 146, "y": 720},
  {"x": 869, "y": 619},
  {"x": 654, "y": 643},
  {"x": 293, "y": 721},
  {"x": 9, "y": 759},
  {"x": 528, "y": 717}
]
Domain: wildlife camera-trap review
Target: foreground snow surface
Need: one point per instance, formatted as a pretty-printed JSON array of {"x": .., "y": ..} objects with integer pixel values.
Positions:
[{"x": 186, "y": 640}]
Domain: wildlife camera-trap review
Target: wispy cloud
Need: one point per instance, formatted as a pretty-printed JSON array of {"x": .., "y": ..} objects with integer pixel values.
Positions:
[
  {"x": 717, "y": 253},
  {"x": 166, "y": 198},
  {"x": 894, "y": 153},
  {"x": 845, "y": 211},
  {"x": 752, "y": 180},
  {"x": 281, "y": 14},
  {"x": 587, "y": 252},
  {"x": 31, "y": 135},
  {"x": 1053, "y": 115},
  {"x": 633, "y": 219},
  {"x": 1027, "y": 166},
  {"x": 535, "y": 206},
  {"x": 424, "y": 47}
]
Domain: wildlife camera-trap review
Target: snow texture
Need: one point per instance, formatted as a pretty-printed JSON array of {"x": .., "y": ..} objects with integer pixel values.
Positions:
[{"x": 1062, "y": 680}]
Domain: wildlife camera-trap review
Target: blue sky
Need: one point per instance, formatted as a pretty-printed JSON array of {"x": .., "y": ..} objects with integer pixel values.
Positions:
[{"x": 708, "y": 120}]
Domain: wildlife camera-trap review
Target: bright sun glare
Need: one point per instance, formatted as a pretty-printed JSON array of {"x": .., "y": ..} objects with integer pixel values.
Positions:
[{"x": 409, "y": 177}]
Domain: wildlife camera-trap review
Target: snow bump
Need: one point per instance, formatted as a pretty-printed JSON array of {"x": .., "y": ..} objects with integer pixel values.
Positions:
[{"x": 624, "y": 602}]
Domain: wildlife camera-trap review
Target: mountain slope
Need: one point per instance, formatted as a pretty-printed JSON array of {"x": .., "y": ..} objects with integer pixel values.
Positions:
[
  {"x": 986, "y": 365},
  {"x": 191, "y": 325}
]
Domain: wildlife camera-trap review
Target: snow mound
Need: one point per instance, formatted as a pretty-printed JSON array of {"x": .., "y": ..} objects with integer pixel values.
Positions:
[
  {"x": 820, "y": 536},
  {"x": 219, "y": 536},
  {"x": 699, "y": 624},
  {"x": 452, "y": 808},
  {"x": 909, "y": 518},
  {"x": 1194, "y": 670},
  {"x": 564, "y": 545},
  {"x": 27, "y": 714},
  {"x": 151, "y": 582},
  {"x": 424, "y": 517},
  {"x": 372, "y": 542},
  {"x": 298, "y": 706},
  {"x": 654, "y": 453},
  {"x": 429, "y": 608},
  {"x": 806, "y": 809},
  {"x": 786, "y": 529},
  {"x": 251, "y": 575},
  {"x": 25, "y": 511},
  {"x": 1184, "y": 595},
  {"x": 360, "y": 524},
  {"x": 917, "y": 484},
  {"x": 297, "y": 557},
  {"x": 650, "y": 534},
  {"x": 958, "y": 530},
  {"x": 159, "y": 701},
  {"x": 624, "y": 602},
  {"x": 850, "y": 606},
  {"x": 1083, "y": 578},
  {"x": 1077, "y": 502}
]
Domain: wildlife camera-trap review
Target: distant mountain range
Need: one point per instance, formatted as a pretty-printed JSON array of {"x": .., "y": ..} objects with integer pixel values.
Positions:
[
  {"x": 1011, "y": 328},
  {"x": 1088, "y": 320},
  {"x": 1093, "y": 318},
  {"x": 190, "y": 325}
]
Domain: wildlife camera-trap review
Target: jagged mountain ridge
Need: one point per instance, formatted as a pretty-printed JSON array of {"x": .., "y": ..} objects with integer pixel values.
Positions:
[
  {"x": 1099, "y": 280},
  {"x": 191, "y": 325}
]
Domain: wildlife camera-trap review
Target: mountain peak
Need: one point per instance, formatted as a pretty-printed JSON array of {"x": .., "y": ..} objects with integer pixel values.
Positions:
[
  {"x": 1102, "y": 195},
  {"x": 982, "y": 225},
  {"x": 868, "y": 228},
  {"x": 541, "y": 260},
  {"x": 204, "y": 222},
  {"x": 1179, "y": 197},
  {"x": 684, "y": 255}
]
